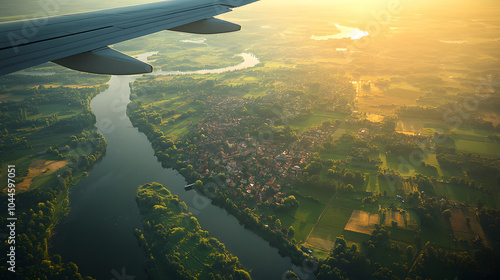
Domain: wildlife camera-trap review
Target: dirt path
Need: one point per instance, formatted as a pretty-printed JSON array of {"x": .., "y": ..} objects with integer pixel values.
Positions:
[{"x": 319, "y": 218}]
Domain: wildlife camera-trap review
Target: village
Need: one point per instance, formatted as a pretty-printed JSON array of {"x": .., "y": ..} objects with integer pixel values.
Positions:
[{"x": 256, "y": 168}]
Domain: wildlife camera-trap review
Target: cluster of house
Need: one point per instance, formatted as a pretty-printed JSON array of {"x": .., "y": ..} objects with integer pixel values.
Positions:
[{"x": 257, "y": 170}]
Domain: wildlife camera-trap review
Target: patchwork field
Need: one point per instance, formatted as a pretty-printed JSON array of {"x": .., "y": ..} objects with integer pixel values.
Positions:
[
  {"x": 362, "y": 222},
  {"x": 488, "y": 148},
  {"x": 37, "y": 168},
  {"x": 323, "y": 238},
  {"x": 466, "y": 195},
  {"x": 335, "y": 217},
  {"x": 379, "y": 101},
  {"x": 463, "y": 230},
  {"x": 302, "y": 219},
  {"x": 402, "y": 220}
]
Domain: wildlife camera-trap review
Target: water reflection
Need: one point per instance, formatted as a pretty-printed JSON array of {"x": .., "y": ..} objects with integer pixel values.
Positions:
[
  {"x": 249, "y": 60},
  {"x": 345, "y": 32}
]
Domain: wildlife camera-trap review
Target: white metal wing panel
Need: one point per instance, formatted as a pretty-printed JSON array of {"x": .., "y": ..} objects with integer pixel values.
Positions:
[{"x": 28, "y": 43}]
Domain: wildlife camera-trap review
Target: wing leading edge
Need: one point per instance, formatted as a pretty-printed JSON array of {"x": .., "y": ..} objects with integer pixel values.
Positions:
[{"x": 79, "y": 41}]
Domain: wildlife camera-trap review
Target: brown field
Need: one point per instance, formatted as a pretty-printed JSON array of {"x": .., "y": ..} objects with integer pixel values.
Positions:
[
  {"x": 164, "y": 78},
  {"x": 9, "y": 97},
  {"x": 362, "y": 222},
  {"x": 339, "y": 132},
  {"x": 320, "y": 244},
  {"x": 409, "y": 187},
  {"x": 400, "y": 219},
  {"x": 491, "y": 117},
  {"x": 375, "y": 118},
  {"x": 68, "y": 86},
  {"x": 37, "y": 168},
  {"x": 4, "y": 96},
  {"x": 378, "y": 102},
  {"x": 407, "y": 125},
  {"x": 460, "y": 227},
  {"x": 394, "y": 216}
]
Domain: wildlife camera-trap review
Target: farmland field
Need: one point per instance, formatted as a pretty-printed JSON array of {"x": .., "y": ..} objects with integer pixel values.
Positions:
[
  {"x": 335, "y": 217},
  {"x": 362, "y": 222},
  {"x": 462, "y": 194}
]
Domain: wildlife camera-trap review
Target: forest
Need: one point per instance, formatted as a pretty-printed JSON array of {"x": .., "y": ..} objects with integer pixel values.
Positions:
[{"x": 43, "y": 124}]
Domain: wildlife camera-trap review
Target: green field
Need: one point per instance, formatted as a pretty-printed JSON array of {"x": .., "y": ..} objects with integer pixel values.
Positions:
[
  {"x": 323, "y": 238},
  {"x": 302, "y": 219},
  {"x": 356, "y": 238},
  {"x": 327, "y": 233},
  {"x": 322, "y": 195},
  {"x": 403, "y": 235},
  {"x": 491, "y": 149},
  {"x": 466, "y": 195},
  {"x": 353, "y": 201},
  {"x": 179, "y": 128},
  {"x": 335, "y": 217},
  {"x": 317, "y": 118},
  {"x": 306, "y": 124},
  {"x": 306, "y": 215}
]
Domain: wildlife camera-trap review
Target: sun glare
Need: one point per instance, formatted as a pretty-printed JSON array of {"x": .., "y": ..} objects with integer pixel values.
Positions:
[{"x": 345, "y": 32}]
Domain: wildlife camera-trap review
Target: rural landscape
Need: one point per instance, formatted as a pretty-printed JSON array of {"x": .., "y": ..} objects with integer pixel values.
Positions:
[{"x": 358, "y": 141}]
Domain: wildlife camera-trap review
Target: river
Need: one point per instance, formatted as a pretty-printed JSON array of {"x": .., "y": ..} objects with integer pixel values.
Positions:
[
  {"x": 249, "y": 60},
  {"x": 97, "y": 234}
]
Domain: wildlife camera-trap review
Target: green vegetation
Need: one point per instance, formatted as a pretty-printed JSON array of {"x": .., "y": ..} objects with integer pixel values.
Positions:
[
  {"x": 175, "y": 243},
  {"x": 43, "y": 130},
  {"x": 390, "y": 151},
  {"x": 254, "y": 151},
  {"x": 347, "y": 262}
]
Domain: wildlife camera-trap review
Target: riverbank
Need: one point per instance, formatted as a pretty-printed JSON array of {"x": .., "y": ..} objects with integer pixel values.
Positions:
[
  {"x": 104, "y": 213},
  {"x": 148, "y": 118},
  {"x": 48, "y": 159}
]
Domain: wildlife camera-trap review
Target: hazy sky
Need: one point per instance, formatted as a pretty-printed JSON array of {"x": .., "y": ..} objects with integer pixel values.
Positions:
[{"x": 21, "y": 9}]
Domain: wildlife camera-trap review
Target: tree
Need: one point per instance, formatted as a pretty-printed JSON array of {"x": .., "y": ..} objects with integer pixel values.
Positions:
[
  {"x": 371, "y": 249},
  {"x": 409, "y": 252},
  {"x": 221, "y": 177},
  {"x": 277, "y": 223},
  {"x": 340, "y": 241},
  {"x": 291, "y": 232},
  {"x": 241, "y": 275},
  {"x": 71, "y": 269},
  {"x": 194, "y": 222},
  {"x": 198, "y": 184},
  {"x": 480, "y": 204},
  {"x": 389, "y": 124},
  {"x": 314, "y": 167},
  {"x": 290, "y": 275},
  {"x": 447, "y": 214},
  {"x": 327, "y": 272},
  {"x": 291, "y": 202},
  {"x": 56, "y": 259}
]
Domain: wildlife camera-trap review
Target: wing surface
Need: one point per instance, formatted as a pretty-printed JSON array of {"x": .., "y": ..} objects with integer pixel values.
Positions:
[{"x": 71, "y": 39}]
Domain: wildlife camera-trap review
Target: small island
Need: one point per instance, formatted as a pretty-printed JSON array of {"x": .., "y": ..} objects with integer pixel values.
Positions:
[{"x": 175, "y": 244}]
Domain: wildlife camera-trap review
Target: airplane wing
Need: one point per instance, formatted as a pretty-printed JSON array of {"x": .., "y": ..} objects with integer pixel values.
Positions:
[{"x": 80, "y": 41}]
